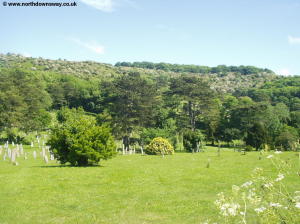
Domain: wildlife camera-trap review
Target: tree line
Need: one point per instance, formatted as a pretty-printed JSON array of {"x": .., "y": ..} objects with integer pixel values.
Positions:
[
  {"x": 243, "y": 70},
  {"x": 137, "y": 108}
]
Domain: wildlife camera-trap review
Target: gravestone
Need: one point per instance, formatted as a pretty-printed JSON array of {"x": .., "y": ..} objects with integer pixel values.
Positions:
[
  {"x": 142, "y": 150},
  {"x": 34, "y": 154},
  {"x": 13, "y": 156},
  {"x": 9, "y": 153},
  {"x": 46, "y": 159}
]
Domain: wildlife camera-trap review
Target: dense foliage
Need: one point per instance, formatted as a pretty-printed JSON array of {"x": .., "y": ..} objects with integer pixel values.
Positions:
[
  {"x": 139, "y": 103},
  {"x": 243, "y": 70},
  {"x": 159, "y": 146},
  {"x": 193, "y": 140},
  {"x": 79, "y": 141}
]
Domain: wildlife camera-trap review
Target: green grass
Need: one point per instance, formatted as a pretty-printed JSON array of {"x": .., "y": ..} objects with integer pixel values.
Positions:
[{"x": 127, "y": 189}]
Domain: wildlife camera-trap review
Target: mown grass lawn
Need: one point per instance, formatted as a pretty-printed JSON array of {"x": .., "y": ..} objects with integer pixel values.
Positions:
[{"x": 127, "y": 189}]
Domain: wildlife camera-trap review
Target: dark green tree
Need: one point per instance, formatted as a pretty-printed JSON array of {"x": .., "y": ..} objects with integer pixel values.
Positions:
[
  {"x": 79, "y": 141},
  {"x": 131, "y": 100},
  {"x": 195, "y": 95}
]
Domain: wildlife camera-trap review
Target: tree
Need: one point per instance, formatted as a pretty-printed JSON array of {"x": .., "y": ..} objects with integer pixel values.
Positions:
[
  {"x": 131, "y": 100},
  {"x": 192, "y": 140},
  {"x": 256, "y": 136},
  {"x": 79, "y": 141},
  {"x": 288, "y": 138},
  {"x": 23, "y": 100},
  {"x": 195, "y": 94}
]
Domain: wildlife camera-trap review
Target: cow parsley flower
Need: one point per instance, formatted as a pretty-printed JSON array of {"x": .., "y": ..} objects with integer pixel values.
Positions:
[
  {"x": 268, "y": 185},
  {"x": 270, "y": 156},
  {"x": 276, "y": 205},
  {"x": 280, "y": 177},
  {"x": 247, "y": 184},
  {"x": 278, "y": 152},
  {"x": 260, "y": 210},
  {"x": 297, "y": 205}
]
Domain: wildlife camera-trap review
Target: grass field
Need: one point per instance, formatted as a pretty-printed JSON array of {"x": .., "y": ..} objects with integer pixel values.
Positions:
[{"x": 127, "y": 189}]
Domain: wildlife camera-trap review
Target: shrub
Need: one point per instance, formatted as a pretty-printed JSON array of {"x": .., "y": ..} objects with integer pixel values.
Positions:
[
  {"x": 191, "y": 139},
  {"x": 81, "y": 142},
  {"x": 150, "y": 133},
  {"x": 159, "y": 146},
  {"x": 287, "y": 139},
  {"x": 249, "y": 148}
]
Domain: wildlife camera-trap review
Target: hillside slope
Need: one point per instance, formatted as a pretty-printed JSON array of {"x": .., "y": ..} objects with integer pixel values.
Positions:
[{"x": 221, "y": 80}]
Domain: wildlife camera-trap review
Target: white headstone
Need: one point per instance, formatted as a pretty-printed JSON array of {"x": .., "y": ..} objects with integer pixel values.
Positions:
[
  {"x": 46, "y": 159},
  {"x": 34, "y": 154},
  {"x": 9, "y": 153},
  {"x": 43, "y": 152},
  {"x": 142, "y": 150},
  {"x": 21, "y": 149},
  {"x": 13, "y": 156}
]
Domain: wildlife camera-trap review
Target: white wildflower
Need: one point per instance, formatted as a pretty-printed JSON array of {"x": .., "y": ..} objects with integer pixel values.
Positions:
[
  {"x": 229, "y": 209},
  {"x": 297, "y": 198},
  {"x": 276, "y": 205},
  {"x": 259, "y": 210},
  {"x": 278, "y": 152},
  {"x": 247, "y": 184},
  {"x": 269, "y": 156},
  {"x": 280, "y": 177},
  {"x": 268, "y": 185},
  {"x": 252, "y": 197},
  {"x": 297, "y": 205}
]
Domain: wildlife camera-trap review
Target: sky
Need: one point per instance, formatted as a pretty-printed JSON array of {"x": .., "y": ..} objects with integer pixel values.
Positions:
[{"x": 262, "y": 33}]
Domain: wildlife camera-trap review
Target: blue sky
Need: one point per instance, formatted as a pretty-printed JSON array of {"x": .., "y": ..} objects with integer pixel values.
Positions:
[{"x": 263, "y": 33}]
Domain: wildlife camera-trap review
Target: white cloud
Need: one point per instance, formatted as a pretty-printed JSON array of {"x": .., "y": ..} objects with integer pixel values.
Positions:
[
  {"x": 284, "y": 72},
  {"x": 294, "y": 40},
  {"x": 92, "y": 46},
  {"x": 110, "y": 5},
  {"x": 102, "y": 5}
]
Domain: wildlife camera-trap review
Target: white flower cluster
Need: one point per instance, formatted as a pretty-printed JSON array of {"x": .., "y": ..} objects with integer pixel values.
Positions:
[
  {"x": 253, "y": 197},
  {"x": 275, "y": 205},
  {"x": 227, "y": 208},
  {"x": 247, "y": 184},
  {"x": 279, "y": 177},
  {"x": 297, "y": 199},
  {"x": 270, "y": 156},
  {"x": 260, "y": 210},
  {"x": 268, "y": 185}
]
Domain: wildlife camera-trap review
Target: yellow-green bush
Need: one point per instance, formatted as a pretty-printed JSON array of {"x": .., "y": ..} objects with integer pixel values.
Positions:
[{"x": 159, "y": 146}]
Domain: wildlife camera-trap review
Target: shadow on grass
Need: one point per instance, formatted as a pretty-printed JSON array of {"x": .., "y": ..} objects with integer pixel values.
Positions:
[{"x": 67, "y": 166}]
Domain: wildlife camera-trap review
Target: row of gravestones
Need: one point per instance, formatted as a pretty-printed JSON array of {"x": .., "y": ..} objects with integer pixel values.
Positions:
[{"x": 17, "y": 151}]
